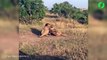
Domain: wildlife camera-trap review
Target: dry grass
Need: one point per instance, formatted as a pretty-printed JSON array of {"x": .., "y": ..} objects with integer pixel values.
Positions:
[
  {"x": 71, "y": 47},
  {"x": 97, "y": 39},
  {"x": 8, "y": 40}
]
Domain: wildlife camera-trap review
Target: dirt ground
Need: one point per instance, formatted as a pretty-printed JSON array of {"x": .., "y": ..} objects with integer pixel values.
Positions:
[
  {"x": 72, "y": 46},
  {"x": 76, "y": 45},
  {"x": 9, "y": 43}
]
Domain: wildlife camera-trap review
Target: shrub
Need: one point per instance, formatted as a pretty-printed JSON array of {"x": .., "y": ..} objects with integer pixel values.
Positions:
[
  {"x": 66, "y": 10},
  {"x": 31, "y": 10}
]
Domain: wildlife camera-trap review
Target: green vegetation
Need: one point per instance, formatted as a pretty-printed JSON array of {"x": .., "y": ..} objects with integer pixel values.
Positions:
[
  {"x": 8, "y": 9},
  {"x": 66, "y": 10},
  {"x": 93, "y": 7},
  {"x": 33, "y": 10},
  {"x": 63, "y": 9},
  {"x": 7, "y": 4},
  {"x": 30, "y": 10}
]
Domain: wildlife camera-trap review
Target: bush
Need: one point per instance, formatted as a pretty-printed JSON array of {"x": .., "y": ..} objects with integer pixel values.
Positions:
[
  {"x": 66, "y": 10},
  {"x": 31, "y": 10}
]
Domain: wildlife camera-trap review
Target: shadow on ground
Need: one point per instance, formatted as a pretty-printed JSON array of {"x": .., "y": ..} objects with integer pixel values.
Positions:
[
  {"x": 36, "y": 31},
  {"x": 24, "y": 56}
]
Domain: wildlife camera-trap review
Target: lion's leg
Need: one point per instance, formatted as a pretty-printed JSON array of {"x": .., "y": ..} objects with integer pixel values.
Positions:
[{"x": 44, "y": 34}]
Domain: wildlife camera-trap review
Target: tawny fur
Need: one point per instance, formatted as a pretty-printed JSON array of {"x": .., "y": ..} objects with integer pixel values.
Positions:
[{"x": 45, "y": 30}]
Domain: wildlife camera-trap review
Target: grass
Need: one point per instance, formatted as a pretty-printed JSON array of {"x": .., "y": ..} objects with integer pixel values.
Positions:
[
  {"x": 97, "y": 41},
  {"x": 73, "y": 47},
  {"x": 8, "y": 36},
  {"x": 8, "y": 56}
]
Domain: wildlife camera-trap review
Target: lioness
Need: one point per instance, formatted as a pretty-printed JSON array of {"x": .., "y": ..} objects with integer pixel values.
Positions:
[
  {"x": 45, "y": 30},
  {"x": 54, "y": 31}
]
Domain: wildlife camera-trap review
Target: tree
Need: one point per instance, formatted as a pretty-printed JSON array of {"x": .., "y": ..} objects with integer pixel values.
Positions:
[
  {"x": 66, "y": 10},
  {"x": 63, "y": 9},
  {"x": 31, "y": 10}
]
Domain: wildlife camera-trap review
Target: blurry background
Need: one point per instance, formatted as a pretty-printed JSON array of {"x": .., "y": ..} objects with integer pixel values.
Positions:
[
  {"x": 93, "y": 7},
  {"x": 8, "y": 32},
  {"x": 9, "y": 27},
  {"x": 97, "y": 30},
  {"x": 68, "y": 16},
  {"x": 8, "y": 8}
]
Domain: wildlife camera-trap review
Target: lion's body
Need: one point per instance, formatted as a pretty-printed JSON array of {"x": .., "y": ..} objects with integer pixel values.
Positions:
[
  {"x": 55, "y": 32},
  {"x": 45, "y": 31}
]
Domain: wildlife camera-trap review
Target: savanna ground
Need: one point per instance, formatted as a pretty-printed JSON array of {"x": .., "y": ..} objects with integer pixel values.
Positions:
[
  {"x": 8, "y": 40},
  {"x": 74, "y": 46},
  {"x": 70, "y": 47},
  {"x": 97, "y": 39}
]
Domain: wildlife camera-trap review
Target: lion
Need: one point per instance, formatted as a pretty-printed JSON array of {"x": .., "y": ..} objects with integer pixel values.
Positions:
[
  {"x": 45, "y": 30},
  {"x": 54, "y": 31}
]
